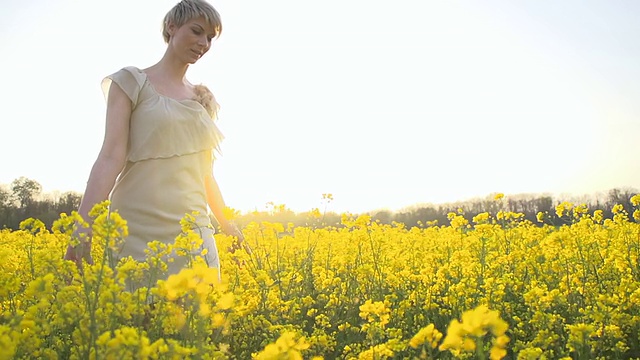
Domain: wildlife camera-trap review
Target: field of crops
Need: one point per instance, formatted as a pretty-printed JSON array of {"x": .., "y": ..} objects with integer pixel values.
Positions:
[{"x": 492, "y": 287}]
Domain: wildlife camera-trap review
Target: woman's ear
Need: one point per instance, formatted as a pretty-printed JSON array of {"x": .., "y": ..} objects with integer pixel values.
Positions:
[{"x": 171, "y": 29}]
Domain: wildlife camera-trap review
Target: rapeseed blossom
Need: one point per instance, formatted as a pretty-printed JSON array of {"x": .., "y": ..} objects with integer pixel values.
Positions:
[
  {"x": 428, "y": 335},
  {"x": 288, "y": 346},
  {"x": 359, "y": 290},
  {"x": 375, "y": 311},
  {"x": 466, "y": 335}
]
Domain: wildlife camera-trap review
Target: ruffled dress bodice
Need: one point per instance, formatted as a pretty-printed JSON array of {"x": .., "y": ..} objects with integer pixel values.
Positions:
[{"x": 160, "y": 126}]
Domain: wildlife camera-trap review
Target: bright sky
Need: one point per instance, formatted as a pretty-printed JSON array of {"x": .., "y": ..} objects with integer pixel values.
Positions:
[{"x": 384, "y": 104}]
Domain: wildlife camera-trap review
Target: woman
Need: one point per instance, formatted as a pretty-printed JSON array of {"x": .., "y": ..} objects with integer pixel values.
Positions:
[{"x": 156, "y": 160}]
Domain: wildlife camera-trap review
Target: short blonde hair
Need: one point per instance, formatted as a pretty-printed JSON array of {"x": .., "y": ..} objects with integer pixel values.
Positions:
[{"x": 186, "y": 10}]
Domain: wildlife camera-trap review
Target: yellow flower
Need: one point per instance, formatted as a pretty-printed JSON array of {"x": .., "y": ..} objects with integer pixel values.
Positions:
[
  {"x": 429, "y": 335},
  {"x": 598, "y": 216},
  {"x": 226, "y": 301},
  {"x": 617, "y": 208},
  {"x": 458, "y": 221},
  {"x": 315, "y": 213},
  {"x": 204, "y": 309},
  {"x": 579, "y": 336},
  {"x": 381, "y": 351},
  {"x": 481, "y": 218},
  {"x": 375, "y": 311},
  {"x": 285, "y": 347},
  {"x": 218, "y": 320},
  {"x": 363, "y": 221},
  {"x": 314, "y": 278},
  {"x": 7, "y": 344},
  {"x": 530, "y": 354},
  {"x": 563, "y": 208},
  {"x": 475, "y": 324}
]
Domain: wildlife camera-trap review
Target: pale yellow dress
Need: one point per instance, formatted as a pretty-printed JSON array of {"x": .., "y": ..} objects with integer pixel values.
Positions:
[{"x": 171, "y": 142}]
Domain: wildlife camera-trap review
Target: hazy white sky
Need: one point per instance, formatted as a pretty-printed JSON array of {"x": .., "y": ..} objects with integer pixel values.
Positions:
[{"x": 381, "y": 103}]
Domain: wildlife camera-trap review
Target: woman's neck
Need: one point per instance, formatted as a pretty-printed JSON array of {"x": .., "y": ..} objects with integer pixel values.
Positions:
[{"x": 171, "y": 69}]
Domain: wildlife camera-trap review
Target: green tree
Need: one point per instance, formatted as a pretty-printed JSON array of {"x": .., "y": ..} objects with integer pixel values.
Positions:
[
  {"x": 68, "y": 202},
  {"x": 7, "y": 207},
  {"x": 25, "y": 191}
]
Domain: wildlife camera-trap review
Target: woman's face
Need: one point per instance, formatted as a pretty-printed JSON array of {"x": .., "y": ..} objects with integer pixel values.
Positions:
[{"x": 191, "y": 40}]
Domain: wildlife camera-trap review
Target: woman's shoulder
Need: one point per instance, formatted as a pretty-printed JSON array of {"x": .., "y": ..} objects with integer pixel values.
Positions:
[
  {"x": 136, "y": 72},
  {"x": 129, "y": 78},
  {"x": 129, "y": 72},
  {"x": 132, "y": 69}
]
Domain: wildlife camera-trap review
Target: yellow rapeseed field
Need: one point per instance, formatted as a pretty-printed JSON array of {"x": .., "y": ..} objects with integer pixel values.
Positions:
[{"x": 495, "y": 287}]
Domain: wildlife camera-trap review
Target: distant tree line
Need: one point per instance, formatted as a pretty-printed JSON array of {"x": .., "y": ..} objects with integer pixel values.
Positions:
[
  {"x": 23, "y": 199},
  {"x": 527, "y": 204}
]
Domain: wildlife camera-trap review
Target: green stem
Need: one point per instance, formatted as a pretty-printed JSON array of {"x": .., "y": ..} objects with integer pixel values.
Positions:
[{"x": 480, "y": 349}]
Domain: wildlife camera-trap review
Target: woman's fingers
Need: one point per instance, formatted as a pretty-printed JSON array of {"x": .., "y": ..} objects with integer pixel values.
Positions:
[
  {"x": 79, "y": 253},
  {"x": 247, "y": 248}
]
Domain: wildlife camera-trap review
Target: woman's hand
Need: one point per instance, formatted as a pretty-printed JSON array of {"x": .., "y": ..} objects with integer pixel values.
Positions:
[
  {"x": 82, "y": 251},
  {"x": 78, "y": 253},
  {"x": 232, "y": 230}
]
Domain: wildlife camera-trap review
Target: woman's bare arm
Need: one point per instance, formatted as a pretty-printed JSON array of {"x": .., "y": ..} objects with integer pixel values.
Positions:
[
  {"x": 216, "y": 202},
  {"x": 112, "y": 156},
  {"x": 106, "y": 168},
  {"x": 217, "y": 206}
]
